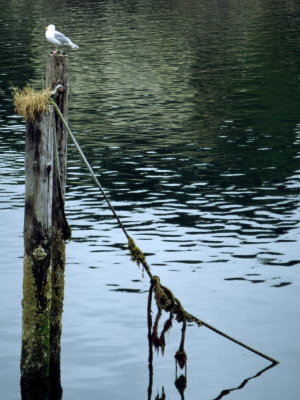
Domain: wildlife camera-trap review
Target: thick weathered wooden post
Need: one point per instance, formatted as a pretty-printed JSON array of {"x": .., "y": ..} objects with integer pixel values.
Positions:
[
  {"x": 45, "y": 231},
  {"x": 37, "y": 291},
  {"x": 57, "y": 74}
]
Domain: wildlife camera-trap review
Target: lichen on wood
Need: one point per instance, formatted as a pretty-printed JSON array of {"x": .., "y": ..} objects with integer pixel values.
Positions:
[{"x": 39, "y": 253}]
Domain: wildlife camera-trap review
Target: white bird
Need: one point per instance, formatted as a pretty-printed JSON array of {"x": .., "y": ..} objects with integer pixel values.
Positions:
[{"x": 58, "y": 38}]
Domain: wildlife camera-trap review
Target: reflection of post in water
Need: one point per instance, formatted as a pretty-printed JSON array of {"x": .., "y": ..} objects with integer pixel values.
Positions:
[
  {"x": 45, "y": 232},
  {"x": 157, "y": 340}
]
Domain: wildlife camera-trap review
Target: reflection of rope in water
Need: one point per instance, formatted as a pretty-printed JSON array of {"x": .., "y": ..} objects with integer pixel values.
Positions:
[{"x": 225, "y": 392}]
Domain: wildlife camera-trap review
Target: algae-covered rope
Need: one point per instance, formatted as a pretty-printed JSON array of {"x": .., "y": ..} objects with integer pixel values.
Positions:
[{"x": 164, "y": 297}]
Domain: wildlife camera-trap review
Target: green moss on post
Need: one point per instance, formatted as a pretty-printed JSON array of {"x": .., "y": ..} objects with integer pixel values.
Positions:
[{"x": 36, "y": 323}]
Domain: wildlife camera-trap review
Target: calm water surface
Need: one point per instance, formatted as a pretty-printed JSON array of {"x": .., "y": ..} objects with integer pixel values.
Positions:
[{"x": 189, "y": 113}]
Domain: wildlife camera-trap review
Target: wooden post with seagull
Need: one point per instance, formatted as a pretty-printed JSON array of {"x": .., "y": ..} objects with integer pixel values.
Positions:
[{"x": 45, "y": 232}]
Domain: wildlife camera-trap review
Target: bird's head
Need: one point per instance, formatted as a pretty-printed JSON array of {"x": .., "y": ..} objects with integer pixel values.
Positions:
[{"x": 51, "y": 27}]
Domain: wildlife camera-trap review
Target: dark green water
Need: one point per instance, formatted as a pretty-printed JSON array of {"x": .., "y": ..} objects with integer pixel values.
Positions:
[{"x": 189, "y": 113}]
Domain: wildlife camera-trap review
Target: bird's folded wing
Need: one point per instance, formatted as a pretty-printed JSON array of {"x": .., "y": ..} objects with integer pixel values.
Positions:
[{"x": 61, "y": 38}]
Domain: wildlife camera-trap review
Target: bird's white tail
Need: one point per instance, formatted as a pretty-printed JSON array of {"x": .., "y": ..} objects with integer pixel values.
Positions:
[{"x": 74, "y": 46}]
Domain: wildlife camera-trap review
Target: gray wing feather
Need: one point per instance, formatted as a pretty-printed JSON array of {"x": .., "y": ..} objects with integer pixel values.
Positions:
[{"x": 61, "y": 38}]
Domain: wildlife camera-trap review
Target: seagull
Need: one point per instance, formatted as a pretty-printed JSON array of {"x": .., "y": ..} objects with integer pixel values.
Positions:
[{"x": 57, "y": 38}]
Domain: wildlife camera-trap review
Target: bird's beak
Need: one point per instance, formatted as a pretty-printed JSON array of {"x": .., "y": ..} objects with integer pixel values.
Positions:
[{"x": 46, "y": 27}]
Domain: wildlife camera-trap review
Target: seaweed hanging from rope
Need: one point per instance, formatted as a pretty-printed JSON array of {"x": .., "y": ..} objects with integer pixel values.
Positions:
[{"x": 157, "y": 342}]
